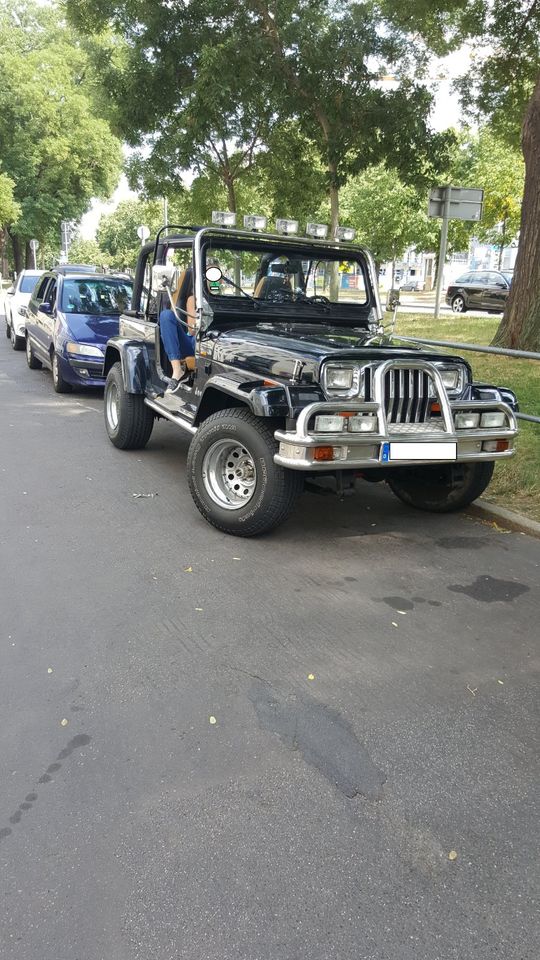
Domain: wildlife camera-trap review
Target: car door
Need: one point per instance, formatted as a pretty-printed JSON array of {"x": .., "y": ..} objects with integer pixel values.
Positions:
[
  {"x": 32, "y": 316},
  {"x": 496, "y": 292},
  {"x": 46, "y": 315},
  {"x": 475, "y": 290}
]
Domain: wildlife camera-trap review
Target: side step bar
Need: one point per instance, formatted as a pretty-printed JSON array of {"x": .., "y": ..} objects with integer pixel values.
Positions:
[{"x": 176, "y": 418}]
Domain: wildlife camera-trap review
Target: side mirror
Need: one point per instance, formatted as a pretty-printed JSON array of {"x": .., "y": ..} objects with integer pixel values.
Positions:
[
  {"x": 164, "y": 277},
  {"x": 45, "y": 307}
]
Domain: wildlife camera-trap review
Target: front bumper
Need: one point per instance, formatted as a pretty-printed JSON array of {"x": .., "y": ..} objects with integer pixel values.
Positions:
[
  {"x": 79, "y": 371},
  {"x": 366, "y": 450}
]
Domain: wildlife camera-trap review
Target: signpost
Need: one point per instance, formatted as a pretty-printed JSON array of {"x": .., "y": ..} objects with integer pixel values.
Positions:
[
  {"x": 452, "y": 203},
  {"x": 67, "y": 232},
  {"x": 34, "y": 246}
]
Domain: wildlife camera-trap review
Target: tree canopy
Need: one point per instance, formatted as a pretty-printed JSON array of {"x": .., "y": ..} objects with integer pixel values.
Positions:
[{"x": 55, "y": 148}]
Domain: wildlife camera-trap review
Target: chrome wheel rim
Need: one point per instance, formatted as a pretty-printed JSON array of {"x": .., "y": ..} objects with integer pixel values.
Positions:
[
  {"x": 55, "y": 370},
  {"x": 229, "y": 474},
  {"x": 28, "y": 349},
  {"x": 111, "y": 406},
  {"x": 457, "y": 305}
]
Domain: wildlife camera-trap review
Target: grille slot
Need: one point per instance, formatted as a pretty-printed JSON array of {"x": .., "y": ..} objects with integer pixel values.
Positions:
[{"x": 407, "y": 394}]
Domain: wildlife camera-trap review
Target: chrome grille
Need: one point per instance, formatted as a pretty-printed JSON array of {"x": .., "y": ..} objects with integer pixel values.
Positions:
[{"x": 407, "y": 394}]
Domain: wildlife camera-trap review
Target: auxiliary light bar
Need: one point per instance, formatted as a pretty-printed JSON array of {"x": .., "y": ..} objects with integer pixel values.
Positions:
[
  {"x": 253, "y": 221},
  {"x": 286, "y": 226},
  {"x": 318, "y": 230},
  {"x": 223, "y": 218},
  {"x": 345, "y": 233}
]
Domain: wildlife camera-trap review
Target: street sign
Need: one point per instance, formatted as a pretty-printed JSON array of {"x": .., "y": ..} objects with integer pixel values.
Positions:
[
  {"x": 465, "y": 203},
  {"x": 143, "y": 233},
  {"x": 34, "y": 245}
]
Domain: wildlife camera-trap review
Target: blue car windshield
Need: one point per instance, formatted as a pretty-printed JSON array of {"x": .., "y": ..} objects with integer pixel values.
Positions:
[{"x": 100, "y": 297}]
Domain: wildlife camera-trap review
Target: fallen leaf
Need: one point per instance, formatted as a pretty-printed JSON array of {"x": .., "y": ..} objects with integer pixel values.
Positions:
[
  {"x": 394, "y": 624},
  {"x": 213, "y": 720},
  {"x": 501, "y": 682},
  {"x": 64, "y": 722},
  {"x": 236, "y": 558},
  {"x": 199, "y": 609},
  {"x": 402, "y": 612},
  {"x": 49, "y": 669},
  {"x": 311, "y": 676},
  {"x": 452, "y": 855},
  {"x": 188, "y": 569}
]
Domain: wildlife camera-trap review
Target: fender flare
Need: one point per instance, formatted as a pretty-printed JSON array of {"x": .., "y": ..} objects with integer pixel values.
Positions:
[{"x": 133, "y": 356}]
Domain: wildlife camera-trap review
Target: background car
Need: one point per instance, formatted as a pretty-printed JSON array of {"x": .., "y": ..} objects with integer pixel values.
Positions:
[
  {"x": 479, "y": 290},
  {"x": 16, "y": 300},
  {"x": 410, "y": 285},
  {"x": 71, "y": 315}
]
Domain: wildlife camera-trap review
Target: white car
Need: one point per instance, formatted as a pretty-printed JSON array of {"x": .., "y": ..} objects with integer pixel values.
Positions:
[{"x": 16, "y": 300}]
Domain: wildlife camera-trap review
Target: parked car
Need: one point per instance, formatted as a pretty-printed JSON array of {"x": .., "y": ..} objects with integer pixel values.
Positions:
[
  {"x": 293, "y": 378},
  {"x": 479, "y": 290},
  {"x": 71, "y": 316},
  {"x": 16, "y": 300},
  {"x": 410, "y": 285}
]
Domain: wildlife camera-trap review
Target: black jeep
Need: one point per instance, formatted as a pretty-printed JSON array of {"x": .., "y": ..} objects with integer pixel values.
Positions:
[{"x": 293, "y": 377}]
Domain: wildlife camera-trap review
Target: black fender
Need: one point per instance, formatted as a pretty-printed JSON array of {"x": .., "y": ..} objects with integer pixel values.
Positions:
[
  {"x": 276, "y": 400},
  {"x": 133, "y": 355},
  {"x": 486, "y": 391}
]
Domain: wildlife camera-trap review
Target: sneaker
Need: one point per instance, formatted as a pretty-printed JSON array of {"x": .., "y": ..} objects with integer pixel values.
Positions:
[{"x": 183, "y": 381}]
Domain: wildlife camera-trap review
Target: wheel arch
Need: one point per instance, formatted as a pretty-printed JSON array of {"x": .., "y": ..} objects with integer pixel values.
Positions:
[{"x": 133, "y": 357}]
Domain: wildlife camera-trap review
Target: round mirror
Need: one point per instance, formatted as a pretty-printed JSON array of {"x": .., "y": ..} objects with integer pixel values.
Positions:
[{"x": 213, "y": 274}]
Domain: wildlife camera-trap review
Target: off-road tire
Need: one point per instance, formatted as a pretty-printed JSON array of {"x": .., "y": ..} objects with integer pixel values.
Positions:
[
  {"x": 441, "y": 488},
  {"x": 59, "y": 384},
  {"x": 459, "y": 304},
  {"x": 17, "y": 343},
  {"x": 31, "y": 360},
  {"x": 275, "y": 490},
  {"x": 135, "y": 420}
]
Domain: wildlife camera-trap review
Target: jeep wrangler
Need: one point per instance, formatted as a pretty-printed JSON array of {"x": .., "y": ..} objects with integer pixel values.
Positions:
[{"x": 294, "y": 378}]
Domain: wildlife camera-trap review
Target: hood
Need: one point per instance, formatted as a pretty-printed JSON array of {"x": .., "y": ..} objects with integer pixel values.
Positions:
[
  {"x": 91, "y": 329},
  {"x": 272, "y": 349}
]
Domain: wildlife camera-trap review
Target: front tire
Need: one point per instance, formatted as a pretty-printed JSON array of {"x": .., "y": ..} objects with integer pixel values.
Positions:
[
  {"x": 458, "y": 304},
  {"x": 441, "y": 488},
  {"x": 128, "y": 421},
  {"x": 31, "y": 360},
  {"x": 8, "y": 328},
  {"x": 17, "y": 343},
  {"x": 232, "y": 476},
  {"x": 60, "y": 385}
]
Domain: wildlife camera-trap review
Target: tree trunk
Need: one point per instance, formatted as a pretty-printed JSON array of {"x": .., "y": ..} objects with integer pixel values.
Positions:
[
  {"x": 520, "y": 325},
  {"x": 334, "y": 223},
  {"x": 16, "y": 243}
]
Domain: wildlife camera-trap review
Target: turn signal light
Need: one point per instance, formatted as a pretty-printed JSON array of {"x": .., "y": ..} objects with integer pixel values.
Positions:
[
  {"x": 323, "y": 453},
  {"x": 495, "y": 446}
]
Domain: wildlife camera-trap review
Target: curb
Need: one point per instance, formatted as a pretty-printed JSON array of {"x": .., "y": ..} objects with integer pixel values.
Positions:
[{"x": 484, "y": 510}]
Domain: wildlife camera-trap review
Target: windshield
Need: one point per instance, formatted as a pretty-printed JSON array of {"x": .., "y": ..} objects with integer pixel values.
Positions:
[
  {"x": 277, "y": 279},
  {"x": 103, "y": 297},
  {"x": 28, "y": 282}
]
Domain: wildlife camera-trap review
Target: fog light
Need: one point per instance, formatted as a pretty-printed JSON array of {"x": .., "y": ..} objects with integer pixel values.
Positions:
[
  {"x": 345, "y": 233},
  {"x": 318, "y": 230},
  {"x": 82, "y": 371},
  {"x": 254, "y": 222},
  {"x": 286, "y": 226},
  {"x": 362, "y": 424},
  {"x": 327, "y": 424},
  {"x": 467, "y": 421},
  {"x": 495, "y": 446},
  {"x": 224, "y": 218},
  {"x": 493, "y": 419}
]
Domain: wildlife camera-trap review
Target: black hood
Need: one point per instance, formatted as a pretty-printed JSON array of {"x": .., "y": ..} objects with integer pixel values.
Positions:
[{"x": 271, "y": 350}]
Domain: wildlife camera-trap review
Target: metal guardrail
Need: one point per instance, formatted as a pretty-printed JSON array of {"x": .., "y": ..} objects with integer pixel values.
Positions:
[{"x": 475, "y": 348}]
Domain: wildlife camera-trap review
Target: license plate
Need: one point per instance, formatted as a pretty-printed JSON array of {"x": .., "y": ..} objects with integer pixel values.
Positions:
[{"x": 418, "y": 451}]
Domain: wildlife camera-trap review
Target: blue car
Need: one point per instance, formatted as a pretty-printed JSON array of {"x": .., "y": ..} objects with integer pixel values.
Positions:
[{"x": 71, "y": 314}]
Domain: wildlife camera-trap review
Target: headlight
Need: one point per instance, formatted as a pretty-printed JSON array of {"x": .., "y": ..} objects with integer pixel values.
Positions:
[
  {"x": 342, "y": 380},
  {"x": 467, "y": 421},
  {"x": 450, "y": 378},
  {"x": 494, "y": 419},
  {"x": 84, "y": 349}
]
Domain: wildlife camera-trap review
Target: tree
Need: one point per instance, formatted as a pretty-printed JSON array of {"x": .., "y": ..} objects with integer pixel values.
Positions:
[
  {"x": 9, "y": 211},
  {"x": 235, "y": 70},
  {"x": 56, "y": 150},
  {"x": 88, "y": 251},
  {"x": 117, "y": 231},
  {"x": 503, "y": 85}
]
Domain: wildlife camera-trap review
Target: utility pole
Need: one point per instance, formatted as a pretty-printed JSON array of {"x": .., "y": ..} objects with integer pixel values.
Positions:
[{"x": 165, "y": 211}]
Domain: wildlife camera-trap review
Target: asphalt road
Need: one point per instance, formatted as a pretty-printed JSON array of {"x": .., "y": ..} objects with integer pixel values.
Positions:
[{"x": 316, "y": 819}]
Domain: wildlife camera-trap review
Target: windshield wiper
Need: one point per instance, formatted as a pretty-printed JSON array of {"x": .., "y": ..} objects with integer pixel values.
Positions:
[{"x": 236, "y": 287}]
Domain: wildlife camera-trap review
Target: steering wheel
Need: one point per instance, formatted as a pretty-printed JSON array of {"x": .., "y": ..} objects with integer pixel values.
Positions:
[{"x": 319, "y": 299}]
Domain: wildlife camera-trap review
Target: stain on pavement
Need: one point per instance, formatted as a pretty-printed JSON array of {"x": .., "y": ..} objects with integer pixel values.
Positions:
[
  {"x": 489, "y": 590},
  {"x": 325, "y": 740}
]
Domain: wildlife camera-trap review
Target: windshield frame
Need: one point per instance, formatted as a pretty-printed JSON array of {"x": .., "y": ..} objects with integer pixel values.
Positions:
[{"x": 344, "y": 312}]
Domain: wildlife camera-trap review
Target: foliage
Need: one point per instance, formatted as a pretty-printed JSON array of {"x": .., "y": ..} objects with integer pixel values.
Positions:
[
  {"x": 54, "y": 147},
  {"x": 117, "y": 232},
  {"x": 9, "y": 208},
  {"x": 88, "y": 251}
]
